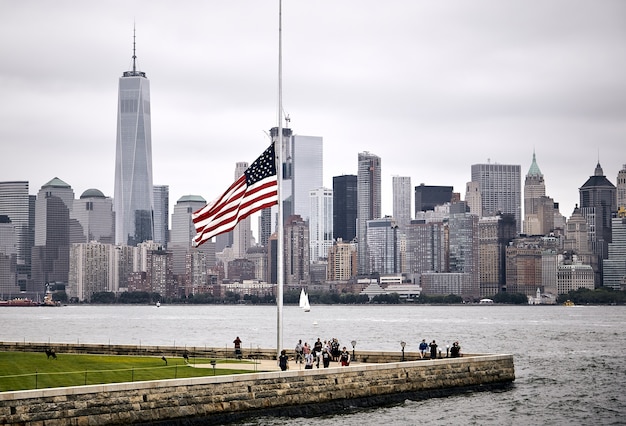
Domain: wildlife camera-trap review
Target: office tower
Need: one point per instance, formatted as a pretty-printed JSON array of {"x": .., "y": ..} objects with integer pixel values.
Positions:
[
  {"x": 341, "y": 261},
  {"x": 307, "y": 171},
  {"x": 384, "y": 246},
  {"x": 286, "y": 188},
  {"x": 296, "y": 252},
  {"x": 534, "y": 190},
  {"x": 495, "y": 234},
  {"x": 133, "y": 196},
  {"x": 8, "y": 258},
  {"x": 50, "y": 256},
  {"x": 473, "y": 198},
  {"x": 90, "y": 269},
  {"x": 368, "y": 202},
  {"x": 258, "y": 255},
  {"x": 19, "y": 207},
  {"x": 463, "y": 250},
  {"x": 183, "y": 231},
  {"x": 265, "y": 226},
  {"x": 401, "y": 186},
  {"x": 500, "y": 189},
  {"x": 614, "y": 268},
  {"x": 161, "y": 214},
  {"x": 94, "y": 212},
  {"x": 598, "y": 201},
  {"x": 427, "y": 197},
  {"x": 344, "y": 207},
  {"x": 621, "y": 188},
  {"x": 320, "y": 223},
  {"x": 242, "y": 233}
]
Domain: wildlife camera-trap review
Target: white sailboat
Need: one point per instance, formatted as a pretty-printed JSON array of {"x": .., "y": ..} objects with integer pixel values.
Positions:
[{"x": 304, "y": 301}]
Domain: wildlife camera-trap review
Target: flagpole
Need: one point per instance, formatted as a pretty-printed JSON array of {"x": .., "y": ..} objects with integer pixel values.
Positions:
[{"x": 279, "y": 174}]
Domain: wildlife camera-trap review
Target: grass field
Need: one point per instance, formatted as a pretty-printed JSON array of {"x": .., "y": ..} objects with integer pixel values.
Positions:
[{"x": 29, "y": 370}]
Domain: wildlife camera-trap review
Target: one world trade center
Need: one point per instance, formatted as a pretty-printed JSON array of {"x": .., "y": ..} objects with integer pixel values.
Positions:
[{"x": 133, "y": 197}]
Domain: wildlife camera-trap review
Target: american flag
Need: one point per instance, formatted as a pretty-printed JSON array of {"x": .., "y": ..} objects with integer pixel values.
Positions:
[{"x": 254, "y": 190}]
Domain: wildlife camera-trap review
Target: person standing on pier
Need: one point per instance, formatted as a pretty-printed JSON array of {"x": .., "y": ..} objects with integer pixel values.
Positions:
[
  {"x": 433, "y": 350},
  {"x": 283, "y": 360},
  {"x": 237, "y": 343}
]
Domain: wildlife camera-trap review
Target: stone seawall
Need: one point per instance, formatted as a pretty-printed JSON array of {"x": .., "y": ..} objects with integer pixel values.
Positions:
[{"x": 219, "y": 399}]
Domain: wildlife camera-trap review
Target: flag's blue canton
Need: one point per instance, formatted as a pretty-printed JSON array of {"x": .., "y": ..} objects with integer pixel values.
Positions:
[{"x": 263, "y": 167}]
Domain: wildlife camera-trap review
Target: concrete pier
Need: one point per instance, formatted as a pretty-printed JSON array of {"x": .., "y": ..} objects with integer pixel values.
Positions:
[{"x": 220, "y": 399}]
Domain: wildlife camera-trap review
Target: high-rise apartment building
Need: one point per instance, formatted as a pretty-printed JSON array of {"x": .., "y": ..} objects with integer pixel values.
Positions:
[
  {"x": 427, "y": 197},
  {"x": 401, "y": 187},
  {"x": 341, "y": 261},
  {"x": 133, "y": 196},
  {"x": 500, "y": 189},
  {"x": 368, "y": 202},
  {"x": 384, "y": 245},
  {"x": 463, "y": 250},
  {"x": 425, "y": 248},
  {"x": 344, "y": 207},
  {"x": 19, "y": 207},
  {"x": 90, "y": 269},
  {"x": 242, "y": 233},
  {"x": 296, "y": 252},
  {"x": 161, "y": 214},
  {"x": 320, "y": 223}
]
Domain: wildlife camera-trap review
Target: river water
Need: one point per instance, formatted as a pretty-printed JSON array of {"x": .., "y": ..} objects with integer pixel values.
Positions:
[{"x": 570, "y": 362}]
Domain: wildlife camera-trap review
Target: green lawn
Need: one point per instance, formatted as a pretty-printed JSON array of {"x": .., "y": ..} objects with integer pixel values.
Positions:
[{"x": 29, "y": 370}]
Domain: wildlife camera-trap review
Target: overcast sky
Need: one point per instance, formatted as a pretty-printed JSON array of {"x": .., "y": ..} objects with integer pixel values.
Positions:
[{"x": 432, "y": 87}]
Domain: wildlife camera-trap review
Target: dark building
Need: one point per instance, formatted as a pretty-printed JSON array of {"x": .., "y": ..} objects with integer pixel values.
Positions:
[
  {"x": 598, "y": 202},
  {"x": 427, "y": 197},
  {"x": 344, "y": 207}
]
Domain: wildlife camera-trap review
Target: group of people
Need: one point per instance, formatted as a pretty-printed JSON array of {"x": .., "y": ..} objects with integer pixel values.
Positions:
[
  {"x": 321, "y": 352},
  {"x": 432, "y": 347}
]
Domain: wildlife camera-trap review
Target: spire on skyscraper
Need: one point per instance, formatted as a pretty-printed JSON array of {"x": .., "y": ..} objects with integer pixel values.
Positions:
[{"x": 534, "y": 168}]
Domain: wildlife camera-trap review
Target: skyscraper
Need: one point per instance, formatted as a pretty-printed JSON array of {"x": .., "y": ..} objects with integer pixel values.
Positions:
[
  {"x": 321, "y": 223},
  {"x": 19, "y": 207},
  {"x": 598, "y": 202},
  {"x": 368, "y": 202},
  {"x": 242, "y": 234},
  {"x": 183, "y": 231},
  {"x": 384, "y": 246},
  {"x": 50, "y": 255},
  {"x": 401, "y": 186},
  {"x": 427, "y": 197},
  {"x": 133, "y": 196},
  {"x": 534, "y": 189},
  {"x": 344, "y": 207},
  {"x": 621, "y": 188},
  {"x": 296, "y": 252},
  {"x": 161, "y": 214},
  {"x": 307, "y": 171},
  {"x": 500, "y": 189},
  {"x": 94, "y": 212}
]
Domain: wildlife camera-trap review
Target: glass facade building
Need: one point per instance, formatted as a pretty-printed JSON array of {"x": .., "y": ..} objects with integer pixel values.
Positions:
[
  {"x": 321, "y": 223},
  {"x": 344, "y": 207},
  {"x": 368, "y": 202},
  {"x": 161, "y": 214},
  {"x": 401, "y": 186},
  {"x": 133, "y": 196}
]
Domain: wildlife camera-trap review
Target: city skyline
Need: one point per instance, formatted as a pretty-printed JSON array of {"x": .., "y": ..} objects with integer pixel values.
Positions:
[{"x": 431, "y": 89}]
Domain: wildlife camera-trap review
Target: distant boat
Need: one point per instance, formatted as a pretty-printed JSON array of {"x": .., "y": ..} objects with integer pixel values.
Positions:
[
  {"x": 304, "y": 301},
  {"x": 486, "y": 301},
  {"x": 568, "y": 303},
  {"x": 158, "y": 304}
]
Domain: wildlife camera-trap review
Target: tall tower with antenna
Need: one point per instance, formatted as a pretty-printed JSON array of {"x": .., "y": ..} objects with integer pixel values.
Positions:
[{"x": 133, "y": 193}]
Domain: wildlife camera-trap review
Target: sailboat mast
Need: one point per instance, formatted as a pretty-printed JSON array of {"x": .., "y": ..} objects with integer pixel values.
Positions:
[{"x": 279, "y": 172}]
